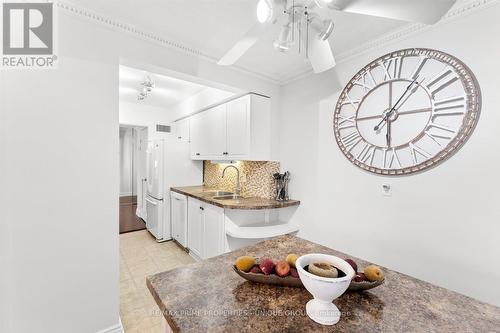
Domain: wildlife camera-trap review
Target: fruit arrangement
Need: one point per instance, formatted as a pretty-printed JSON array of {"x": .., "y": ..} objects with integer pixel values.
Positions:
[
  {"x": 279, "y": 272},
  {"x": 284, "y": 272},
  {"x": 371, "y": 277}
]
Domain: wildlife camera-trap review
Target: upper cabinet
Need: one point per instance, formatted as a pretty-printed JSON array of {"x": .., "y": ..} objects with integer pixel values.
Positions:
[
  {"x": 237, "y": 130},
  {"x": 182, "y": 129}
]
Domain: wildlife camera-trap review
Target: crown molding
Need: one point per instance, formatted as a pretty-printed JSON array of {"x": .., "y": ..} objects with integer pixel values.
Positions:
[
  {"x": 381, "y": 42},
  {"x": 402, "y": 33},
  {"x": 119, "y": 26}
]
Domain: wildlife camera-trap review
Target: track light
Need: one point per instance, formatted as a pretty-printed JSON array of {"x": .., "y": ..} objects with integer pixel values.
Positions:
[
  {"x": 283, "y": 42},
  {"x": 324, "y": 28},
  {"x": 264, "y": 11}
]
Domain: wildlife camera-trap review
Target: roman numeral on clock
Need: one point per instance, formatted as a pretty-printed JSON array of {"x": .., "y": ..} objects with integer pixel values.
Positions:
[
  {"x": 351, "y": 140},
  {"x": 441, "y": 81},
  {"x": 450, "y": 106},
  {"x": 414, "y": 150},
  {"x": 389, "y": 161},
  {"x": 346, "y": 122},
  {"x": 366, "y": 81},
  {"x": 392, "y": 68}
]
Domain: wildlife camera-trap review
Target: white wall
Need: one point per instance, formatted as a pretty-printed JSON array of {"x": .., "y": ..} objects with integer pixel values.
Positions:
[
  {"x": 442, "y": 225},
  {"x": 60, "y": 150}
]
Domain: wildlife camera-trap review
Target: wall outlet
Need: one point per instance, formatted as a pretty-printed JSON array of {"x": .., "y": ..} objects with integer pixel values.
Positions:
[{"x": 386, "y": 190}]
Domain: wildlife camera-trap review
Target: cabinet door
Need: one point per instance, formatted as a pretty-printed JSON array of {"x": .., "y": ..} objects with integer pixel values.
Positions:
[
  {"x": 178, "y": 204},
  {"x": 195, "y": 130},
  {"x": 213, "y": 129},
  {"x": 182, "y": 129},
  {"x": 195, "y": 227},
  {"x": 238, "y": 127},
  {"x": 213, "y": 236}
]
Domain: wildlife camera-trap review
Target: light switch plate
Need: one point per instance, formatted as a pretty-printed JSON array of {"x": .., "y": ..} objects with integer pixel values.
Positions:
[{"x": 386, "y": 190}]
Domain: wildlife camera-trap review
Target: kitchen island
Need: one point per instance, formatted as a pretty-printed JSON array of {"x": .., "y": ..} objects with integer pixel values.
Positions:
[{"x": 208, "y": 296}]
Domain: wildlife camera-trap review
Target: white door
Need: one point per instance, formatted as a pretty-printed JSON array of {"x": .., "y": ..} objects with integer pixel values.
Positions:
[
  {"x": 238, "y": 127},
  {"x": 155, "y": 169},
  {"x": 195, "y": 227},
  {"x": 213, "y": 235},
  {"x": 142, "y": 146},
  {"x": 178, "y": 211},
  {"x": 154, "y": 222}
]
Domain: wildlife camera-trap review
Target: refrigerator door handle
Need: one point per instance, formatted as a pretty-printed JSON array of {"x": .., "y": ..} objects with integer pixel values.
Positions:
[{"x": 151, "y": 202}]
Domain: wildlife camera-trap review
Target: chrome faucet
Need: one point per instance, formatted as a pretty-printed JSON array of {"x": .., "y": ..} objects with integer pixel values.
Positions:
[{"x": 238, "y": 188}]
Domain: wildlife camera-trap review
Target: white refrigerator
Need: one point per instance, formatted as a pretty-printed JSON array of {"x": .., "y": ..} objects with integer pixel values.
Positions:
[{"x": 168, "y": 165}]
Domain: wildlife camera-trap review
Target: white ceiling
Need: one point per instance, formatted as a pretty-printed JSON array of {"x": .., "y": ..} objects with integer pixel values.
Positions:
[
  {"x": 168, "y": 91},
  {"x": 213, "y": 26}
]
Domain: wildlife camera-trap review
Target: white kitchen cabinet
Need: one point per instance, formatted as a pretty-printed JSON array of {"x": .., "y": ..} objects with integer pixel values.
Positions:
[
  {"x": 209, "y": 133},
  {"x": 238, "y": 127},
  {"x": 205, "y": 229},
  {"x": 182, "y": 129},
  {"x": 236, "y": 130},
  {"x": 195, "y": 228},
  {"x": 178, "y": 211},
  {"x": 213, "y": 236}
]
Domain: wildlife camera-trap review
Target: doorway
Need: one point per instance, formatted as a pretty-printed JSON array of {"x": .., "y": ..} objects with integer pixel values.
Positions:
[{"x": 133, "y": 145}]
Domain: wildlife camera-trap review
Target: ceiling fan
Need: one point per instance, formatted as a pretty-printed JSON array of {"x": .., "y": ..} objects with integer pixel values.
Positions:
[{"x": 302, "y": 25}]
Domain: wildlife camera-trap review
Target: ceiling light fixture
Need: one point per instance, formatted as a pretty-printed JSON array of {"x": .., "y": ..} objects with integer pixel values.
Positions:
[
  {"x": 283, "y": 42},
  {"x": 323, "y": 27},
  {"x": 147, "y": 88},
  {"x": 264, "y": 11}
]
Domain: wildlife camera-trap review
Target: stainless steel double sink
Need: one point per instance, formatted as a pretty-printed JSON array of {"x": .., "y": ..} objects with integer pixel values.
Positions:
[{"x": 223, "y": 195}]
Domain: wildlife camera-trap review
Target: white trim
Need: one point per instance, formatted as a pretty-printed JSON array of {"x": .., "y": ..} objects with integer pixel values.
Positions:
[
  {"x": 118, "y": 328},
  {"x": 384, "y": 40},
  {"x": 95, "y": 17},
  {"x": 125, "y": 194}
]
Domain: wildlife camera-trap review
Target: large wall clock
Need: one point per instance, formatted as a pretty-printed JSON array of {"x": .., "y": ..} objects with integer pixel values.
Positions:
[{"x": 407, "y": 111}]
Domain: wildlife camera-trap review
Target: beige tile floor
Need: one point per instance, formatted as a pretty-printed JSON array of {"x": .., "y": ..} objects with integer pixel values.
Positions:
[{"x": 140, "y": 256}]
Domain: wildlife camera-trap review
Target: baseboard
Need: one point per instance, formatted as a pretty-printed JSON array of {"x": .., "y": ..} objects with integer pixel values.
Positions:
[
  {"x": 125, "y": 194},
  {"x": 118, "y": 328}
]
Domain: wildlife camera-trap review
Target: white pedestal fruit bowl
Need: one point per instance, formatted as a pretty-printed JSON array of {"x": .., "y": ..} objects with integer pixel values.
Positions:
[{"x": 324, "y": 290}]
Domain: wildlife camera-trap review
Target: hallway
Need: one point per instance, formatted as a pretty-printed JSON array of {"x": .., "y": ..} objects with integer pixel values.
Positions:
[{"x": 129, "y": 221}]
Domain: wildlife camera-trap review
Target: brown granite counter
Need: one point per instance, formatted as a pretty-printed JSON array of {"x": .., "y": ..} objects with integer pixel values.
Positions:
[
  {"x": 208, "y": 296},
  {"x": 205, "y": 194}
]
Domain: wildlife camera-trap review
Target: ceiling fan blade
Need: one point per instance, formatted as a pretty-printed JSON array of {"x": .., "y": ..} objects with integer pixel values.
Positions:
[
  {"x": 423, "y": 11},
  {"x": 245, "y": 43},
  {"x": 320, "y": 55}
]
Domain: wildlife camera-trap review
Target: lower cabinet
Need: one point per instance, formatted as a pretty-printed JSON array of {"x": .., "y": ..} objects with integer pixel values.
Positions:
[
  {"x": 178, "y": 216},
  {"x": 205, "y": 229}
]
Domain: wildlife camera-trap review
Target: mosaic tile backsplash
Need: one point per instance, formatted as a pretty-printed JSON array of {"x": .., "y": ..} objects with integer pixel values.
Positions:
[{"x": 259, "y": 177}]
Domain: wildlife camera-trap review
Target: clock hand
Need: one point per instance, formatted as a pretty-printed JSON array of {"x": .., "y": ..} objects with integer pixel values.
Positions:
[
  {"x": 396, "y": 105},
  {"x": 399, "y": 113},
  {"x": 380, "y": 123},
  {"x": 388, "y": 135}
]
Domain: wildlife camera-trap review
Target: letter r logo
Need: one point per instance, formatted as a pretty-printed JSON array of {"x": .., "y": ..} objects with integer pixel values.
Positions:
[{"x": 27, "y": 28}]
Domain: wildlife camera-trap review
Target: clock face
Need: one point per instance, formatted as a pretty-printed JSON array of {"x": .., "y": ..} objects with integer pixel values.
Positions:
[{"x": 406, "y": 111}]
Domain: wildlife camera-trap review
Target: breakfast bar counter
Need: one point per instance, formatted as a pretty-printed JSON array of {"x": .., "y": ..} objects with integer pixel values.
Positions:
[{"x": 208, "y": 296}]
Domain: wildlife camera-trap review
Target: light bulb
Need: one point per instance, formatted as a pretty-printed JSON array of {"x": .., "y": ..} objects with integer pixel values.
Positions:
[{"x": 264, "y": 11}]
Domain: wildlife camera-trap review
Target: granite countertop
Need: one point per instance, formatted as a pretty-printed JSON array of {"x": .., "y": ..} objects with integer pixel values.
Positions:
[
  {"x": 205, "y": 194},
  {"x": 208, "y": 296}
]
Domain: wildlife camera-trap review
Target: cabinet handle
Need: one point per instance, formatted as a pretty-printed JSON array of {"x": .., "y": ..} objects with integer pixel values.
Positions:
[
  {"x": 202, "y": 208},
  {"x": 197, "y": 154},
  {"x": 179, "y": 137}
]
